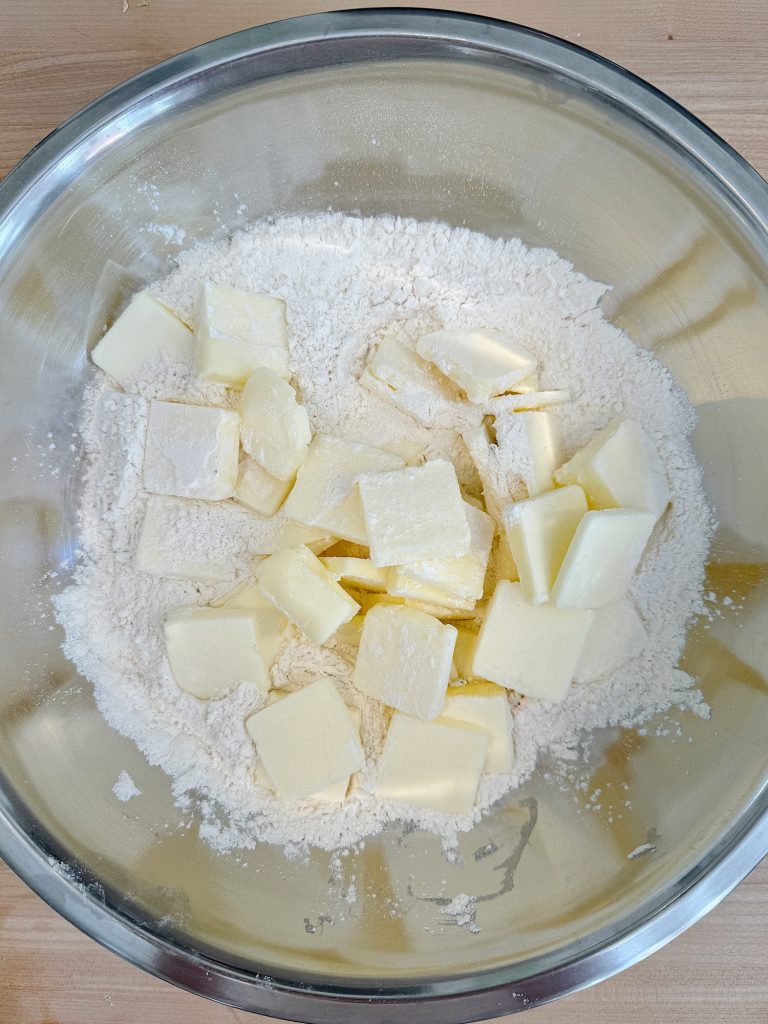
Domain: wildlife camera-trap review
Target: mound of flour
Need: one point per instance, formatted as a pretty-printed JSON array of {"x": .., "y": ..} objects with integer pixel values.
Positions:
[{"x": 347, "y": 283}]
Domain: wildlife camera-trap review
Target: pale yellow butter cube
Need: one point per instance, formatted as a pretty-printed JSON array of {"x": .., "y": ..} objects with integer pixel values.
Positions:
[
  {"x": 539, "y": 531},
  {"x": 325, "y": 492},
  {"x": 307, "y": 741},
  {"x": 259, "y": 490},
  {"x": 399, "y": 375},
  {"x": 272, "y": 624},
  {"x": 358, "y": 573},
  {"x": 238, "y": 331},
  {"x": 144, "y": 332},
  {"x": 482, "y": 362},
  {"x": 619, "y": 468},
  {"x": 400, "y": 585},
  {"x": 414, "y": 513},
  {"x": 457, "y": 579},
  {"x": 191, "y": 451},
  {"x": 533, "y": 649},
  {"x": 434, "y": 765},
  {"x": 530, "y": 448},
  {"x": 404, "y": 659},
  {"x": 617, "y": 635},
  {"x": 297, "y": 582},
  {"x": 485, "y": 705},
  {"x": 275, "y": 428},
  {"x": 464, "y": 652},
  {"x": 213, "y": 650},
  {"x": 602, "y": 557}
]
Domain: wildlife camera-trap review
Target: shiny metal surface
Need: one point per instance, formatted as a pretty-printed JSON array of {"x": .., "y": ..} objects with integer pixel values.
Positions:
[{"x": 433, "y": 116}]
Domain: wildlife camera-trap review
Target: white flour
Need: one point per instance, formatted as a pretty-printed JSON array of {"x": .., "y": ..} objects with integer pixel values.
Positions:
[{"x": 348, "y": 282}]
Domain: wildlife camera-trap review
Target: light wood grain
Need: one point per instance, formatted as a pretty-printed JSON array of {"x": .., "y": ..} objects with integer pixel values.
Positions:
[{"x": 55, "y": 56}]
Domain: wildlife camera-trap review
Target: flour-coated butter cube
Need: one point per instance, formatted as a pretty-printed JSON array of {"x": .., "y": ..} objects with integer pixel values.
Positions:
[
  {"x": 617, "y": 635},
  {"x": 400, "y": 585},
  {"x": 238, "y": 331},
  {"x": 297, "y": 582},
  {"x": 144, "y": 332},
  {"x": 272, "y": 624},
  {"x": 307, "y": 741},
  {"x": 433, "y": 765},
  {"x": 602, "y": 557},
  {"x": 325, "y": 492},
  {"x": 275, "y": 428},
  {"x": 482, "y": 362},
  {"x": 213, "y": 650},
  {"x": 619, "y": 468},
  {"x": 404, "y": 659},
  {"x": 191, "y": 451},
  {"x": 533, "y": 649},
  {"x": 529, "y": 446},
  {"x": 259, "y": 490},
  {"x": 459, "y": 579},
  {"x": 539, "y": 531},
  {"x": 485, "y": 705},
  {"x": 358, "y": 573},
  {"x": 414, "y": 513}
]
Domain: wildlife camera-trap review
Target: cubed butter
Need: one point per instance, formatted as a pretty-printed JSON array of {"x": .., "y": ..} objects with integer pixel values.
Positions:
[
  {"x": 499, "y": 485},
  {"x": 259, "y": 490},
  {"x": 275, "y": 428},
  {"x": 483, "y": 363},
  {"x": 485, "y": 705},
  {"x": 325, "y": 492},
  {"x": 297, "y": 583},
  {"x": 213, "y": 650},
  {"x": 414, "y": 591},
  {"x": 434, "y": 765},
  {"x": 404, "y": 659},
  {"x": 414, "y": 513},
  {"x": 237, "y": 332},
  {"x": 530, "y": 448},
  {"x": 307, "y": 741},
  {"x": 533, "y": 649},
  {"x": 464, "y": 652},
  {"x": 402, "y": 377},
  {"x": 617, "y": 635},
  {"x": 144, "y": 332},
  {"x": 358, "y": 573},
  {"x": 619, "y": 468},
  {"x": 602, "y": 557},
  {"x": 539, "y": 531},
  {"x": 272, "y": 624},
  {"x": 191, "y": 451}
]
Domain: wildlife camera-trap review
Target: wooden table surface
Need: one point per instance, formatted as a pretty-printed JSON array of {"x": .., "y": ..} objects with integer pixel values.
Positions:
[{"x": 55, "y": 56}]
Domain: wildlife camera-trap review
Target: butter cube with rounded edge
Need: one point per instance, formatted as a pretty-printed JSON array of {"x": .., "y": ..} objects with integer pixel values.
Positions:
[
  {"x": 238, "y": 331},
  {"x": 485, "y": 705},
  {"x": 358, "y": 573},
  {"x": 307, "y": 741},
  {"x": 483, "y": 363},
  {"x": 435, "y": 765},
  {"x": 259, "y": 490},
  {"x": 275, "y": 428},
  {"x": 297, "y": 583}
]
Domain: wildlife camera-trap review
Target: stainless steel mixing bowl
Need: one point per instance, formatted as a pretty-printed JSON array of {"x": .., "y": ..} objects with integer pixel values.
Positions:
[{"x": 434, "y": 116}]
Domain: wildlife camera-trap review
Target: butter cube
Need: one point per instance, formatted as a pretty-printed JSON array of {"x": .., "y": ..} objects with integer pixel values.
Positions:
[
  {"x": 144, "y": 332},
  {"x": 483, "y": 363},
  {"x": 539, "y": 531},
  {"x": 259, "y": 490},
  {"x": 291, "y": 534},
  {"x": 485, "y": 705},
  {"x": 404, "y": 659},
  {"x": 464, "y": 652},
  {"x": 271, "y": 623},
  {"x": 533, "y": 649},
  {"x": 275, "y": 428},
  {"x": 619, "y": 468},
  {"x": 602, "y": 557},
  {"x": 213, "y": 650},
  {"x": 297, "y": 582},
  {"x": 325, "y": 492},
  {"x": 422, "y": 595},
  {"x": 191, "y": 451},
  {"x": 414, "y": 513},
  {"x": 399, "y": 375},
  {"x": 521, "y": 403},
  {"x": 530, "y": 447},
  {"x": 307, "y": 741},
  {"x": 617, "y": 635},
  {"x": 457, "y": 579},
  {"x": 237, "y": 332},
  {"x": 434, "y": 765},
  {"x": 359, "y": 573},
  {"x": 499, "y": 485},
  {"x": 336, "y": 793},
  {"x": 195, "y": 540}
]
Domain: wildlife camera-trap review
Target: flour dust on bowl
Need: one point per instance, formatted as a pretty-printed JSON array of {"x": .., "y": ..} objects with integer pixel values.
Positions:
[{"x": 501, "y": 134}]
